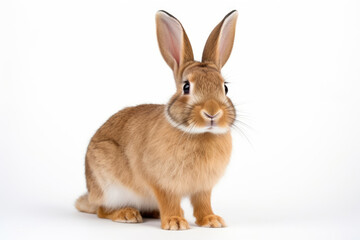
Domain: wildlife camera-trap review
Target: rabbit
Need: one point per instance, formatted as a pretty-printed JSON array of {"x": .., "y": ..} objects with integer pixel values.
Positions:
[{"x": 143, "y": 160}]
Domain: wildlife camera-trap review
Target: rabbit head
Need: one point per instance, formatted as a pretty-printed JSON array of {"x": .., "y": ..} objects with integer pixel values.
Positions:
[{"x": 200, "y": 103}]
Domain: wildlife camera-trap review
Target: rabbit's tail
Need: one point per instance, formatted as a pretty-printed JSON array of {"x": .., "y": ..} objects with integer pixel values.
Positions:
[{"x": 83, "y": 205}]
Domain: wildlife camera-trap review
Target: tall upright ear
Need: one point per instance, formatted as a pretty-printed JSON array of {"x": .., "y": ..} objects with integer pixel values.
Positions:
[
  {"x": 173, "y": 42},
  {"x": 220, "y": 42}
]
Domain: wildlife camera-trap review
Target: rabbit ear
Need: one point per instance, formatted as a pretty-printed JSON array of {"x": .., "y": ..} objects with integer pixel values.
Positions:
[
  {"x": 220, "y": 42},
  {"x": 173, "y": 42}
]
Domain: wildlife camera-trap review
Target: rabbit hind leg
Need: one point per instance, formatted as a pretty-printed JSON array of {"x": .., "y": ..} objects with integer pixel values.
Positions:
[{"x": 124, "y": 215}]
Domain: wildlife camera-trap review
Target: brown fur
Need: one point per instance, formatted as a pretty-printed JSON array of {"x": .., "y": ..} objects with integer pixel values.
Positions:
[{"x": 139, "y": 148}]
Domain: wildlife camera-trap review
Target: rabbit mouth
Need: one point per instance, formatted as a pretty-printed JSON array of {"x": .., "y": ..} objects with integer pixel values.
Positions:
[
  {"x": 214, "y": 128},
  {"x": 193, "y": 128}
]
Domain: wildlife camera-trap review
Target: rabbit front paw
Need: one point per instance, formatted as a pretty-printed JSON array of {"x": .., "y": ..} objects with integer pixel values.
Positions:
[
  {"x": 212, "y": 221},
  {"x": 174, "y": 223}
]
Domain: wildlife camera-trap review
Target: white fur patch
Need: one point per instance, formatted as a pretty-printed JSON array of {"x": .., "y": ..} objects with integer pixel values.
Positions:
[
  {"x": 195, "y": 130},
  {"x": 118, "y": 196}
]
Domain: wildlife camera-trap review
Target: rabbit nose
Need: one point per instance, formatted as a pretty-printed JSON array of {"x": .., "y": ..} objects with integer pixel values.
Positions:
[
  {"x": 211, "y": 110},
  {"x": 209, "y": 116}
]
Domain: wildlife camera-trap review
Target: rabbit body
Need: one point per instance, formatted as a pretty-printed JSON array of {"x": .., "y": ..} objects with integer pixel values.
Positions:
[{"x": 137, "y": 149}]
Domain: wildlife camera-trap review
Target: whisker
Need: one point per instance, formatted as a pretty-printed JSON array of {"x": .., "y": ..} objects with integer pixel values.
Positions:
[
  {"x": 242, "y": 133},
  {"x": 243, "y": 123}
]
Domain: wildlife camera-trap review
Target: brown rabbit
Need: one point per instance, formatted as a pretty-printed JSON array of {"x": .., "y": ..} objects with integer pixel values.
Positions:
[{"x": 144, "y": 159}]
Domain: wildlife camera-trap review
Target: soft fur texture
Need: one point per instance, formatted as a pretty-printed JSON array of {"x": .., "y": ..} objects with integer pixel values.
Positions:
[{"x": 144, "y": 159}]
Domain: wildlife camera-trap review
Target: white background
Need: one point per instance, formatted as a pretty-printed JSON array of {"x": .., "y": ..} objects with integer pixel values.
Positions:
[{"x": 66, "y": 66}]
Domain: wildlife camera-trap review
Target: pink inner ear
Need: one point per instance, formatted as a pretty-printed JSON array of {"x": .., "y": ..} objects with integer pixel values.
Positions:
[
  {"x": 226, "y": 38},
  {"x": 173, "y": 39}
]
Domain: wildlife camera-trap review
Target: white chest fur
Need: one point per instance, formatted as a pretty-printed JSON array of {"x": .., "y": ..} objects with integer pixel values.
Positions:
[{"x": 118, "y": 196}]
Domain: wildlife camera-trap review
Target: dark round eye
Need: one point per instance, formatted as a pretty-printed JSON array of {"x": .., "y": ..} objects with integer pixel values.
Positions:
[
  {"x": 186, "y": 87},
  {"x": 226, "y": 89}
]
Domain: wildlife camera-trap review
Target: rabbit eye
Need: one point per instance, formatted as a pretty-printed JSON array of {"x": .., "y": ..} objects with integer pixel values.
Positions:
[
  {"x": 226, "y": 89},
  {"x": 186, "y": 87}
]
